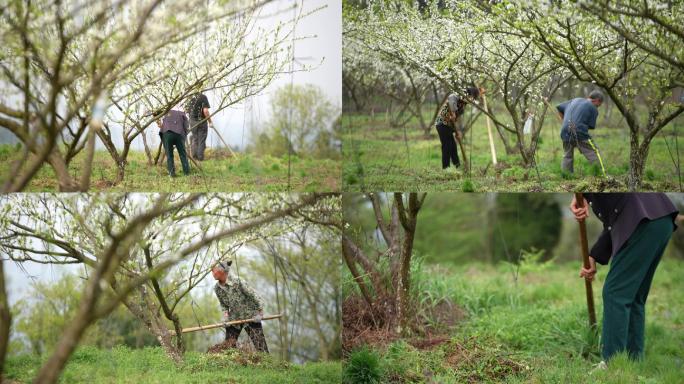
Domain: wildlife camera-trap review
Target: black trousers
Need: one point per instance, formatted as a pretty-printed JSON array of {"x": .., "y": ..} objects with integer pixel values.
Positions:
[
  {"x": 198, "y": 140},
  {"x": 449, "y": 153},
  {"x": 255, "y": 332},
  {"x": 171, "y": 139}
]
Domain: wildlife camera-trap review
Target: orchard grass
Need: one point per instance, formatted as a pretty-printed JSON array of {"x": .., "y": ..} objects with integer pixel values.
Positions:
[
  {"x": 220, "y": 172},
  {"x": 150, "y": 365},
  {"x": 376, "y": 157},
  {"x": 533, "y": 328}
]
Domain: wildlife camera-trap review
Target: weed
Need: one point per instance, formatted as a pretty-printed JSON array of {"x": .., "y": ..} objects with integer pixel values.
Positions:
[
  {"x": 467, "y": 186},
  {"x": 363, "y": 367}
]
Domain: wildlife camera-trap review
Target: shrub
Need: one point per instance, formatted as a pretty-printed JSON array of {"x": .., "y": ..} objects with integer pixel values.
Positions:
[{"x": 363, "y": 367}]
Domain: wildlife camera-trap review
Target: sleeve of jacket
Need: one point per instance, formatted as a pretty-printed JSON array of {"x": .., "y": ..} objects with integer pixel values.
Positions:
[
  {"x": 603, "y": 248},
  {"x": 185, "y": 123},
  {"x": 561, "y": 107},
  {"x": 251, "y": 293}
]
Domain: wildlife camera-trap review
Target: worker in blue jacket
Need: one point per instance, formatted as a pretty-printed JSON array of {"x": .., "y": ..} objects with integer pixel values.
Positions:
[{"x": 579, "y": 116}]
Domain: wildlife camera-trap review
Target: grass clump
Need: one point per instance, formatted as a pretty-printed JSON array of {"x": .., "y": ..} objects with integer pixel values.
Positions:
[{"x": 363, "y": 367}]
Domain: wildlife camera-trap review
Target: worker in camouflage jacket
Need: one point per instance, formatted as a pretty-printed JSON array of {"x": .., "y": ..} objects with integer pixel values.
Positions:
[{"x": 239, "y": 302}]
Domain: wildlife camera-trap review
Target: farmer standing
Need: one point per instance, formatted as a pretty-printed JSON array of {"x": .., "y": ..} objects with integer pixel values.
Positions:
[
  {"x": 238, "y": 302},
  {"x": 636, "y": 230},
  {"x": 450, "y": 125},
  {"x": 579, "y": 116},
  {"x": 197, "y": 108},
  {"x": 173, "y": 128}
]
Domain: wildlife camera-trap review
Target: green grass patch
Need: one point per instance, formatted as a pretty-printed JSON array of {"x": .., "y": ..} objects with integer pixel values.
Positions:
[
  {"x": 376, "y": 157},
  {"x": 530, "y": 325},
  {"x": 246, "y": 172},
  {"x": 151, "y": 365}
]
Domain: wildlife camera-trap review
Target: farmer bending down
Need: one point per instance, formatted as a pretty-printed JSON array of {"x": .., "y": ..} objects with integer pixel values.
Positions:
[
  {"x": 239, "y": 302},
  {"x": 173, "y": 128},
  {"x": 636, "y": 229},
  {"x": 450, "y": 125},
  {"x": 579, "y": 116}
]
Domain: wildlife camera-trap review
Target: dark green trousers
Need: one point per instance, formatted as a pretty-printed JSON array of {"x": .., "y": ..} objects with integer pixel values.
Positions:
[
  {"x": 627, "y": 285},
  {"x": 171, "y": 139}
]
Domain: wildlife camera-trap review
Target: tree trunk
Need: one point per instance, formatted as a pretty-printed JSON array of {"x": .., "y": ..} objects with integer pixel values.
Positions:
[
  {"x": 88, "y": 162},
  {"x": 119, "y": 159},
  {"x": 282, "y": 324},
  {"x": 148, "y": 313},
  {"x": 64, "y": 179},
  {"x": 148, "y": 151},
  {"x": 637, "y": 162},
  {"x": 120, "y": 171},
  {"x": 405, "y": 279},
  {"x": 408, "y": 218},
  {"x": 6, "y": 319}
]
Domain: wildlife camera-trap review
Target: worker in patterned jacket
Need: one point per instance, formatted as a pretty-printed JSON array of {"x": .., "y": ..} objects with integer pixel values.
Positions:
[
  {"x": 449, "y": 124},
  {"x": 239, "y": 302}
]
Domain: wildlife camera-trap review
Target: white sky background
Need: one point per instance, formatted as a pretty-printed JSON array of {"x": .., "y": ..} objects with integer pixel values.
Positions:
[
  {"x": 19, "y": 284},
  {"x": 326, "y": 26},
  {"x": 323, "y": 51},
  {"x": 19, "y": 276},
  {"x": 19, "y": 281}
]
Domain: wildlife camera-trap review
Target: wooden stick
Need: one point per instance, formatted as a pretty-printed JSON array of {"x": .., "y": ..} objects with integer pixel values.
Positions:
[
  {"x": 489, "y": 130},
  {"x": 557, "y": 113},
  {"x": 223, "y": 141},
  {"x": 466, "y": 167},
  {"x": 585, "y": 260},
  {"x": 156, "y": 157},
  {"x": 224, "y": 324}
]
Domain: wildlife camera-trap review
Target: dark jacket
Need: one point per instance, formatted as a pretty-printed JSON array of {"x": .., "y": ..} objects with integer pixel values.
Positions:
[
  {"x": 195, "y": 105},
  {"x": 620, "y": 214},
  {"x": 175, "y": 121},
  {"x": 579, "y": 116}
]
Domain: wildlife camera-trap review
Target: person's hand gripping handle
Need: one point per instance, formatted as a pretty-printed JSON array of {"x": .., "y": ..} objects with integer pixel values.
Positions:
[{"x": 580, "y": 210}]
